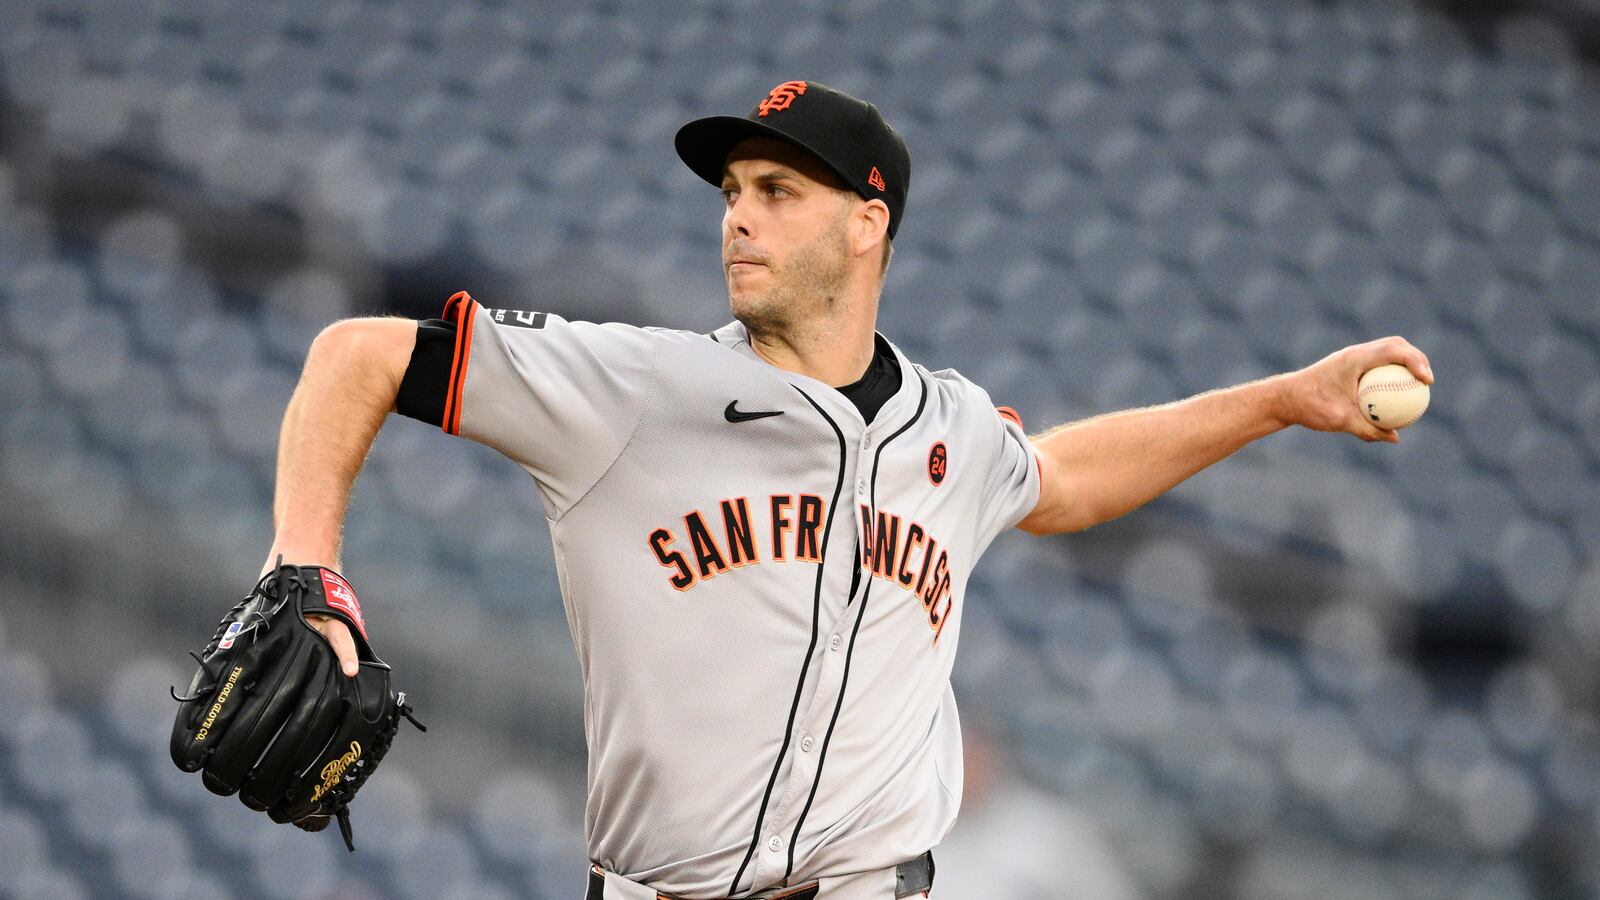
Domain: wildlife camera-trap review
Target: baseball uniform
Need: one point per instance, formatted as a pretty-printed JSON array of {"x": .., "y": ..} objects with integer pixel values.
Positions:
[{"x": 765, "y": 588}]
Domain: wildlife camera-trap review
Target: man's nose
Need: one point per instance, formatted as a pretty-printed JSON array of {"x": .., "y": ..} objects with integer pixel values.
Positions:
[{"x": 737, "y": 218}]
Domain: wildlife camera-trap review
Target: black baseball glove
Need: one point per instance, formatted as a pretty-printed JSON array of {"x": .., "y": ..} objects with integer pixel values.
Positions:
[{"x": 269, "y": 715}]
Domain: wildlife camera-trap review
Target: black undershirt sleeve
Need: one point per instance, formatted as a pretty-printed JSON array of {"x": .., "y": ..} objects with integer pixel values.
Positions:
[{"x": 427, "y": 378}]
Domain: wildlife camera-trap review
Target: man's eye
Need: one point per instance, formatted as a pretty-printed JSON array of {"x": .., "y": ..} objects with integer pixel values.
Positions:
[{"x": 728, "y": 194}]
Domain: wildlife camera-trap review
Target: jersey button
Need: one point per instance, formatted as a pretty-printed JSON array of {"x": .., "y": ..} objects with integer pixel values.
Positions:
[
  {"x": 861, "y": 485},
  {"x": 866, "y": 442},
  {"x": 834, "y": 642},
  {"x": 806, "y": 743},
  {"x": 774, "y": 843}
]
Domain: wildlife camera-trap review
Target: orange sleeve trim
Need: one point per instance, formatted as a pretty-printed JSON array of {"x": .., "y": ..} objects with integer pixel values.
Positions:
[
  {"x": 1009, "y": 413},
  {"x": 461, "y": 309}
]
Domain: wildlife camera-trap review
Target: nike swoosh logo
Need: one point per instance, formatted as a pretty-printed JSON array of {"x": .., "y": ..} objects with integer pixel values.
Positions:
[{"x": 732, "y": 413}]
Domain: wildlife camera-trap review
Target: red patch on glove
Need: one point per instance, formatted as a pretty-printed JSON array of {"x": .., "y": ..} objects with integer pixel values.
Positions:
[{"x": 342, "y": 597}]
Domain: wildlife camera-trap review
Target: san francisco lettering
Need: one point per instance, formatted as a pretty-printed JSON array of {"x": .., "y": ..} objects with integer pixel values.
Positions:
[
  {"x": 710, "y": 542},
  {"x": 903, "y": 553},
  {"x": 726, "y": 538}
]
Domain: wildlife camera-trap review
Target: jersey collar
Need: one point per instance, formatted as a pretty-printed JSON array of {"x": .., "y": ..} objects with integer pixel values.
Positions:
[{"x": 735, "y": 337}]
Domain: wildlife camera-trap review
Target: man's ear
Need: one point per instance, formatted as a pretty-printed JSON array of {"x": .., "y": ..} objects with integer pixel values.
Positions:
[{"x": 870, "y": 226}]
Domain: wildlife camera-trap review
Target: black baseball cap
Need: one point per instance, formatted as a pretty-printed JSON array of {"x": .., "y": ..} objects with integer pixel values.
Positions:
[{"x": 849, "y": 135}]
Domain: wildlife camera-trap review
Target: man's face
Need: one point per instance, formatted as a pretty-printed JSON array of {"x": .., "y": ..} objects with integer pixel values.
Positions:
[{"x": 784, "y": 247}]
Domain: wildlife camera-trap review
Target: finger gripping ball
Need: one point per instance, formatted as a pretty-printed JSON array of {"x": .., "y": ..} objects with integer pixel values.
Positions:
[{"x": 1391, "y": 397}]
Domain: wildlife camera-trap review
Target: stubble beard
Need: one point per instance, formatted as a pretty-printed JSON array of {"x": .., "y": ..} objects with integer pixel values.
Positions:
[{"x": 808, "y": 287}]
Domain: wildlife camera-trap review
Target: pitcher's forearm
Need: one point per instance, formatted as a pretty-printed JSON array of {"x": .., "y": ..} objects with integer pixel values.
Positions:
[
  {"x": 1098, "y": 469},
  {"x": 349, "y": 384},
  {"x": 1110, "y": 465}
]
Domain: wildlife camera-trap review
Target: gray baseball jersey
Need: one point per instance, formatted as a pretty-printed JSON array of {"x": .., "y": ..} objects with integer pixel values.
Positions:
[{"x": 765, "y": 591}]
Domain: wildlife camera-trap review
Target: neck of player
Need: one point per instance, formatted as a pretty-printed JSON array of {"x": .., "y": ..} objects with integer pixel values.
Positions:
[{"x": 834, "y": 349}]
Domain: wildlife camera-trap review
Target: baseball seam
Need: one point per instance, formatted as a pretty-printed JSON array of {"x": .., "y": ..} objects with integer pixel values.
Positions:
[
  {"x": 1393, "y": 386},
  {"x": 1390, "y": 386}
]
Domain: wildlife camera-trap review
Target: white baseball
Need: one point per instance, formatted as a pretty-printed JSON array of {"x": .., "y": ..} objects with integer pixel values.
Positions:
[{"x": 1391, "y": 397}]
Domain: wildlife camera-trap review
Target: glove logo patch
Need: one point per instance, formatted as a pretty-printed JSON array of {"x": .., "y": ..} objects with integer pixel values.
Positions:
[
  {"x": 342, "y": 597},
  {"x": 231, "y": 634},
  {"x": 334, "y": 770},
  {"x": 216, "y": 708}
]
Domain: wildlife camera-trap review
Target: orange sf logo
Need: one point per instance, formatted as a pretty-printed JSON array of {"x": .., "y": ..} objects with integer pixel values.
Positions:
[
  {"x": 781, "y": 96},
  {"x": 938, "y": 462}
]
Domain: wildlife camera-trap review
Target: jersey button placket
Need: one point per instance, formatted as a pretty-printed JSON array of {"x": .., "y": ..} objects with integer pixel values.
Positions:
[{"x": 803, "y": 768}]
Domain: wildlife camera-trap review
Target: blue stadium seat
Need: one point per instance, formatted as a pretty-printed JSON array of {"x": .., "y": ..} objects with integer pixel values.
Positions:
[
  {"x": 1457, "y": 271},
  {"x": 1210, "y": 353},
  {"x": 1133, "y": 695},
  {"x": 1261, "y": 693},
  {"x": 50, "y": 750},
  {"x": 1569, "y": 763},
  {"x": 1079, "y": 635},
  {"x": 516, "y": 813},
  {"x": 48, "y": 883},
  {"x": 1570, "y": 266},
  {"x": 1578, "y": 193},
  {"x": 514, "y": 231},
  {"x": 1149, "y": 298},
  {"x": 1353, "y": 175},
  {"x": 26, "y": 844},
  {"x": 1524, "y": 706},
  {"x": 1237, "y": 795},
  {"x": 287, "y": 863},
  {"x": 1169, "y": 587},
  {"x": 1425, "y": 464},
  {"x": 442, "y": 862},
  {"x": 395, "y": 810},
  {"x": 1479, "y": 507},
  {"x": 1405, "y": 222},
  {"x": 1559, "y": 351},
  {"x": 92, "y": 358},
  {"x": 1078, "y": 111},
  {"x": 1306, "y": 127},
  {"x": 1536, "y": 562},
  {"x": 1217, "y": 38},
  {"x": 1498, "y": 408},
  {"x": 1275, "y": 310},
  {"x": 1146, "y": 73},
  {"x": 1125, "y": 161},
  {"x": 104, "y": 798}
]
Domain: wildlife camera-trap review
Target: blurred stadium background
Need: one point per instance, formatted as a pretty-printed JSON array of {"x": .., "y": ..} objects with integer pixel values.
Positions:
[{"x": 1320, "y": 670}]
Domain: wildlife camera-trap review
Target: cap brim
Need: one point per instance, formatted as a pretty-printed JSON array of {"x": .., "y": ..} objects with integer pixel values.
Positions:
[{"x": 704, "y": 145}]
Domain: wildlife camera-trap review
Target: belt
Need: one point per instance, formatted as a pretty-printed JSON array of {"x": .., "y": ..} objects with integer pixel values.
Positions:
[{"x": 910, "y": 879}]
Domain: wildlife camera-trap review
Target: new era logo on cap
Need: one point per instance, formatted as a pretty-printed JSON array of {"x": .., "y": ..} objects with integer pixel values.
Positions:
[{"x": 847, "y": 134}]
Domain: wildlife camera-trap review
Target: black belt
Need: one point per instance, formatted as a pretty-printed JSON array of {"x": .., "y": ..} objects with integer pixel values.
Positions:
[{"x": 910, "y": 879}]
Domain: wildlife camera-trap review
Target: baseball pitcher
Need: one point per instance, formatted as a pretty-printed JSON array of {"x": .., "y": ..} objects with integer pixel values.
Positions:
[{"x": 764, "y": 534}]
